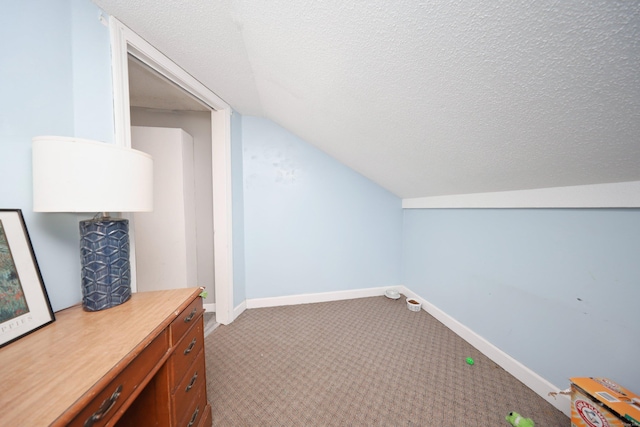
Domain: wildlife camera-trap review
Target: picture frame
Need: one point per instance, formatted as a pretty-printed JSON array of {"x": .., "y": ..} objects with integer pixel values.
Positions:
[{"x": 24, "y": 303}]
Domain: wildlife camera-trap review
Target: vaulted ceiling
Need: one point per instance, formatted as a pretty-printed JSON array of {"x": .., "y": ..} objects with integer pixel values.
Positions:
[{"x": 425, "y": 98}]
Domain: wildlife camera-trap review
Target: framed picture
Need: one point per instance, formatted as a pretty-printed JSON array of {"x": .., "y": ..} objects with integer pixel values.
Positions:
[{"x": 24, "y": 303}]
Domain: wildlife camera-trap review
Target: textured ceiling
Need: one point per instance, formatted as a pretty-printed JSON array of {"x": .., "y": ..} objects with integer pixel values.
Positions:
[{"x": 424, "y": 97}]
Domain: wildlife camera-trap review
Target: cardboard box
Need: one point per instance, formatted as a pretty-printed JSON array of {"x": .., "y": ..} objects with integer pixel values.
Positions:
[{"x": 599, "y": 402}]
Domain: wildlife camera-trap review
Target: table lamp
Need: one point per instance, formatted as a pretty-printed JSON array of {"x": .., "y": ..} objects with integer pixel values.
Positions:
[{"x": 80, "y": 175}]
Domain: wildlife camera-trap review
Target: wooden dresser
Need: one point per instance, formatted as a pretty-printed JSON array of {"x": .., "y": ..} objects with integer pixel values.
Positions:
[{"x": 137, "y": 364}]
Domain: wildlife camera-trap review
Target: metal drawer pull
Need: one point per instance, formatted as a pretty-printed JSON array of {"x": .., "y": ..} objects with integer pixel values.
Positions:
[
  {"x": 104, "y": 408},
  {"x": 192, "y": 382},
  {"x": 193, "y": 417},
  {"x": 190, "y": 347},
  {"x": 190, "y": 316}
]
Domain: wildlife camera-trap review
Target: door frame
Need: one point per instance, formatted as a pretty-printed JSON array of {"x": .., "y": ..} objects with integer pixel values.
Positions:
[{"x": 124, "y": 42}]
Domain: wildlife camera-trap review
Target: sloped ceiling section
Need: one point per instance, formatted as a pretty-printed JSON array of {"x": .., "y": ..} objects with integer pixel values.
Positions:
[{"x": 425, "y": 98}]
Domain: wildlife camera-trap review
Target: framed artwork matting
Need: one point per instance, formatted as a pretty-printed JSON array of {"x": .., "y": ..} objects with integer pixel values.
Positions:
[{"x": 24, "y": 303}]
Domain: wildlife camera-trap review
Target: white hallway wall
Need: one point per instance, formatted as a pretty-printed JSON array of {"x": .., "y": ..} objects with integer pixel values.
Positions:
[
  {"x": 166, "y": 238},
  {"x": 198, "y": 125}
]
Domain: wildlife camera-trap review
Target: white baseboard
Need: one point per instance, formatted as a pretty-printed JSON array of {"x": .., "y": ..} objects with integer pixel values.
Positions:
[
  {"x": 209, "y": 308},
  {"x": 239, "y": 309},
  {"x": 529, "y": 378},
  {"x": 319, "y": 297}
]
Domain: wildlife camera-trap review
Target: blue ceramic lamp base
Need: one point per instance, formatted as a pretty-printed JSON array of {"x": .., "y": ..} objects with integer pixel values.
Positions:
[{"x": 104, "y": 251}]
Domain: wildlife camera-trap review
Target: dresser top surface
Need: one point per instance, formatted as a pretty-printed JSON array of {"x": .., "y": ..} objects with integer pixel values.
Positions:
[{"x": 52, "y": 369}]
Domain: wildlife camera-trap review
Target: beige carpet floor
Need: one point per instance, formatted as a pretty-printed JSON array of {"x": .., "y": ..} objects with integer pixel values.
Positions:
[{"x": 361, "y": 362}]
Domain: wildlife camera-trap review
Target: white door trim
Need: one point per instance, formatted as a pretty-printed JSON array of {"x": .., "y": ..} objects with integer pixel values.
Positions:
[{"x": 123, "y": 42}]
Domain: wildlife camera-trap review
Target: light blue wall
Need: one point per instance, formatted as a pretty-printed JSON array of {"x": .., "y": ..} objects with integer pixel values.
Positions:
[
  {"x": 556, "y": 289},
  {"x": 239, "y": 291},
  {"x": 312, "y": 224},
  {"x": 92, "y": 85},
  {"x": 39, "y": 97}
]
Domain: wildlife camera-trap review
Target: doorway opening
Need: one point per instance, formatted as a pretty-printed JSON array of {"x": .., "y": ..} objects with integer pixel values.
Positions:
[
  {"x": 133, "y": 58},
  {"x": 176, "y": 130}
]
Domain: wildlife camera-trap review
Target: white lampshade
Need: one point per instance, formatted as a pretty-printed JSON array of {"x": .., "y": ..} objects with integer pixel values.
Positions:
[{"x": 80, "y": 175}]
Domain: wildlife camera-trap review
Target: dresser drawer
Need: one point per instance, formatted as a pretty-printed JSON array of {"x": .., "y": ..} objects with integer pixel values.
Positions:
[
  {"x": 185, "y": 319},
  {"x": 198, "y": 413},
  {"x": 110, "y": 399},
  {"x": 185, "y": 353},
  {"x": 191, "y": 388}
]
